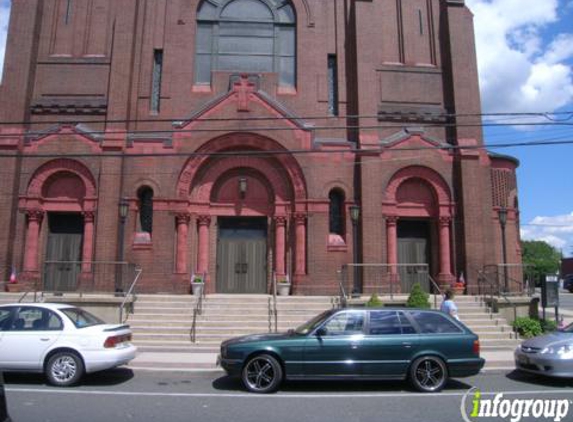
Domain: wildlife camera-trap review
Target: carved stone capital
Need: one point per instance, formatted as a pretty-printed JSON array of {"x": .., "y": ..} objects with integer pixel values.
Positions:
[
  {"x": 89, "y": 216},
  {"x": 35, "y": 215},
  {"x": 300, "y": 218},
  {"x": 445, "y": 221},
  {"x": 391, "y": 220},
  {"x": 204, "y": 220},
  {"x": 280, "y": 221},
  {"x": 182, "y": 218}
]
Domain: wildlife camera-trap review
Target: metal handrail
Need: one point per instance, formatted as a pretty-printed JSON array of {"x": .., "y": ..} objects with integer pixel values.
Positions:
[
  {"x": 483, "y": 279},
  {"x": 198, "y": 310},
  {"x": 341, "y": 291},
  {"x": 273, "y": 312},
  {"x": 437, "y": 289},
  {"x": 130, "y": 291}
]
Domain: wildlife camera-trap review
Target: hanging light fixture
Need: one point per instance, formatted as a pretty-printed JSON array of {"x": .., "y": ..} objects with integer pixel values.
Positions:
[{"x": 242, "y": 187}]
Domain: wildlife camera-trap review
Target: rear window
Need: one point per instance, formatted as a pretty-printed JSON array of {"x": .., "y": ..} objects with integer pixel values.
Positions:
[
  {"x": 81, "y": 318},
  {"x": 434, "y": 323}
]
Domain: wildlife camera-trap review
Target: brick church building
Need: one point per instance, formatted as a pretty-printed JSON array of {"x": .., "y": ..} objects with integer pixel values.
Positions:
[{"x": 248, "y": 140}]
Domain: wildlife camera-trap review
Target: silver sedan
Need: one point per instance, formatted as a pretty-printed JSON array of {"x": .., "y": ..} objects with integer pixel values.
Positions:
[{"x": 550, "y": 355}]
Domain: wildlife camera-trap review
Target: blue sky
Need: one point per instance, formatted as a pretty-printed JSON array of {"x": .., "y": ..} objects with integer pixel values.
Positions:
[{"x": 525, "y": 57}]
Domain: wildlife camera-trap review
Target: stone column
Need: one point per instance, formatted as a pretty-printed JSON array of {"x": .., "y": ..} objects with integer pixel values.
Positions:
[
  {"x": 204, "y": 221},
  {"x": 280, "y": 228},
  {"x": 300, "y": 233},
  {"x": 445, "y": 276},
  {"x": 392, "y": 242},
  {"x": 182, "y": 222},
  {"x": 87, "y": 251},
  {"x": 32, "y": 238}
]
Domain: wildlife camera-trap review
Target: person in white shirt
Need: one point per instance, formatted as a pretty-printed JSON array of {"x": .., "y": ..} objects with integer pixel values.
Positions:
[{"x": 448, "y": 305}]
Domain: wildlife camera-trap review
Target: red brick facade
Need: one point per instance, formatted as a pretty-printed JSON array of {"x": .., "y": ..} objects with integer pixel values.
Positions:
[{"x": 405, "y": 80}]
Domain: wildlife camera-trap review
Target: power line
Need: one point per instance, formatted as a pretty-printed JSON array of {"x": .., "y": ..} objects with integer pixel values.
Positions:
[
  {"x": 175, "y": 120},
  {"x": 271, "y": 153}
]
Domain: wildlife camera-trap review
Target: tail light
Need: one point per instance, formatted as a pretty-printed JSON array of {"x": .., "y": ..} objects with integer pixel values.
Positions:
[
  {"x": 475, "y": 348},
  {"x": 113, "y": 341}
]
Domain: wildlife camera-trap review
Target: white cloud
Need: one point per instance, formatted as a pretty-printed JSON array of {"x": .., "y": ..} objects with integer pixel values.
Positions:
[
  {"x": 520, "y": 69},
  {"x": 556, "y": 230}
]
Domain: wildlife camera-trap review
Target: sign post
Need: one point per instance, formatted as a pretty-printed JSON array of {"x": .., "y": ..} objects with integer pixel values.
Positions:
[
  {"x": 4, "y": 416},
  {"x": 550, "y": 294}
]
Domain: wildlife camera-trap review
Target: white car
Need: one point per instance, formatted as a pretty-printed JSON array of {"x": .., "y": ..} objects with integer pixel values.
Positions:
[{"x": 63, "y": 341}]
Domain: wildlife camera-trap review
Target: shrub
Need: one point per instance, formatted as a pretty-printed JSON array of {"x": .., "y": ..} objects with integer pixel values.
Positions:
[
  {"x": 418, "y": 298},
  {"x": 548, "y": 325},
  {"x": 374, "y": 301},
  {"x": 527, "y": 327}
]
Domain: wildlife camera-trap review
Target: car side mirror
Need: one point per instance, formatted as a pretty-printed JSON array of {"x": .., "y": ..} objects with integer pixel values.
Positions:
[{"x": 321, "y": 332}]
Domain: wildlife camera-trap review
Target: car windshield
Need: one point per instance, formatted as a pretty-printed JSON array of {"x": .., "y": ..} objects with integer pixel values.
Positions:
[
  {"x": 81, "y": 318},
  {"x": 310, "y": 325}
]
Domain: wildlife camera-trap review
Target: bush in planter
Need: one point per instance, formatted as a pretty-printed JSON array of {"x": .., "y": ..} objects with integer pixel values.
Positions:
[
  {"x": 418, "y": 298},
  {"x": 527, "y": 327},
  {"x": 374, "y": 301}
]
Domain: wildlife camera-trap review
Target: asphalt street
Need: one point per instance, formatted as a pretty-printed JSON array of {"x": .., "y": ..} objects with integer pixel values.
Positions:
[{"x": 125, "y": 395}]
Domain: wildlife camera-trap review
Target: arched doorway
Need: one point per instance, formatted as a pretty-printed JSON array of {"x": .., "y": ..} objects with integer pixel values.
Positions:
[
  {"x": 418, "y": 213},
  {"x": 254, "y": 205},
  {"x": 60, "y": 198}
]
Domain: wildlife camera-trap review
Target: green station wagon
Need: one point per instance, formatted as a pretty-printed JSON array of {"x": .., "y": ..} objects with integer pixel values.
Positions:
[{"x": 426, "y": 347}]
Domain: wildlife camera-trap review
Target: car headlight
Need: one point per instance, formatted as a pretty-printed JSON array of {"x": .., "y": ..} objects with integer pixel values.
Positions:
[{"x": 564, "y": 349}]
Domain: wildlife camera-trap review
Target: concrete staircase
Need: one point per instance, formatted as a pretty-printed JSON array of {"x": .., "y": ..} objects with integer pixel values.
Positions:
[{"x": 163, "y": 322}]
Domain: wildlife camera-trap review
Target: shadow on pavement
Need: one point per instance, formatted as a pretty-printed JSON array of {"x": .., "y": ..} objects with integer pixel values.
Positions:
[
  {"x": 98, "y": 379},
  {"x": 226, "y": 383},
  {"x": 527, "y": 378}
]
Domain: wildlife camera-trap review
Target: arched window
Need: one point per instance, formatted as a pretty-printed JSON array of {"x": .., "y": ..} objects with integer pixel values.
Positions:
[
  {"x": 145, "y": 196},
  {"x": 336, "y": 212},
  {"x": 246, "y": 36}
]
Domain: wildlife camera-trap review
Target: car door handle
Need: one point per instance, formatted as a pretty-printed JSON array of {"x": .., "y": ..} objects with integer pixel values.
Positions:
[
  {"x": 354, "y": 345},
  {"x": 45, "y": 339},
  {"x": 406, "y": 344}
]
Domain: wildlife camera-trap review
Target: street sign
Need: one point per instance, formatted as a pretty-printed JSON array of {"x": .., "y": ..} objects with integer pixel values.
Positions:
[{"x": 550, "y": 292}]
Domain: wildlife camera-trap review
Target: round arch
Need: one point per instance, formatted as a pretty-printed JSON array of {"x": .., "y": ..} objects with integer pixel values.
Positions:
[
  {"x": 50, "y": 169},
  {"x": 434, "y": 181},
  {"x": 196, "y": 168}
]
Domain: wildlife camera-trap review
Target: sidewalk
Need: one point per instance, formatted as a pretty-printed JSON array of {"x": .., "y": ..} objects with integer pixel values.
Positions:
[{"x": 206, "y": 362}]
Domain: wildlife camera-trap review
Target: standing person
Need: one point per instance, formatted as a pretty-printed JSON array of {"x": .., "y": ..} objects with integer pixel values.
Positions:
[{"x": 449, "y": 306}]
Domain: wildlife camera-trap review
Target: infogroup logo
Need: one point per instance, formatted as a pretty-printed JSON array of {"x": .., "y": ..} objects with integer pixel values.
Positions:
[{"x": 513, "y": 410}]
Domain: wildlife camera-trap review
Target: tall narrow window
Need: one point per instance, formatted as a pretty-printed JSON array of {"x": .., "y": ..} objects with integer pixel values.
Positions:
[
  {"x": 156, "y": 82},
  {"x": 145, "y": 196},
  {"x": 336, "y": 212},
  {"x": 68, "y": 15},
  {"x": 5, "y": 11},
  {"x": 332, "y": 85},
  {"x": 246, "y": 36}
]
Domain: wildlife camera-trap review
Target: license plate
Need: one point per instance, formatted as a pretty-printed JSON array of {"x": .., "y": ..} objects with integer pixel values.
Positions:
[{"x": 523, "y": 359}]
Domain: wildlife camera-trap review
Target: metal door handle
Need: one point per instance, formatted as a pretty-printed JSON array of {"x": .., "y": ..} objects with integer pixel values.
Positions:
[
  {"x": 354, "y": 345},
  {"x": 406, "y": 344},
  {"x": 45, "y": 339}
]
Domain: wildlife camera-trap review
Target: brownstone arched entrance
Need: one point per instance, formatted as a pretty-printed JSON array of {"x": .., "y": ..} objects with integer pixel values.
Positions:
[
  {"x": 254, "y": 205},
  {"x": 418, "y": 212},
  {"x": 61, "y": 195}
]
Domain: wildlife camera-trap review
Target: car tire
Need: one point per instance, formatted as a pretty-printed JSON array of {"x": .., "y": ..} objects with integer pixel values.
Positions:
[
  {"x": 570, "y": 288},
  {"x": 262, "y": 374},
  {"x": 428, "y": 374},
  {"x": 64, "y": 369}
]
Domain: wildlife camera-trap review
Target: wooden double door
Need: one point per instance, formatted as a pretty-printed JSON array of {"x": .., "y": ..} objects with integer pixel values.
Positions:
[
  {"x": 414, "y": 254},
  {"x": 62, "y": 265},
  {"x": 242, "y": 255}
]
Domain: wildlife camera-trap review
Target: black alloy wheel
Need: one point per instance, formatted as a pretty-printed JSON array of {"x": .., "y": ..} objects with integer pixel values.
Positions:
[
  {"x": 262, "y": 374},
  {"x": 428, "y": 374}
]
